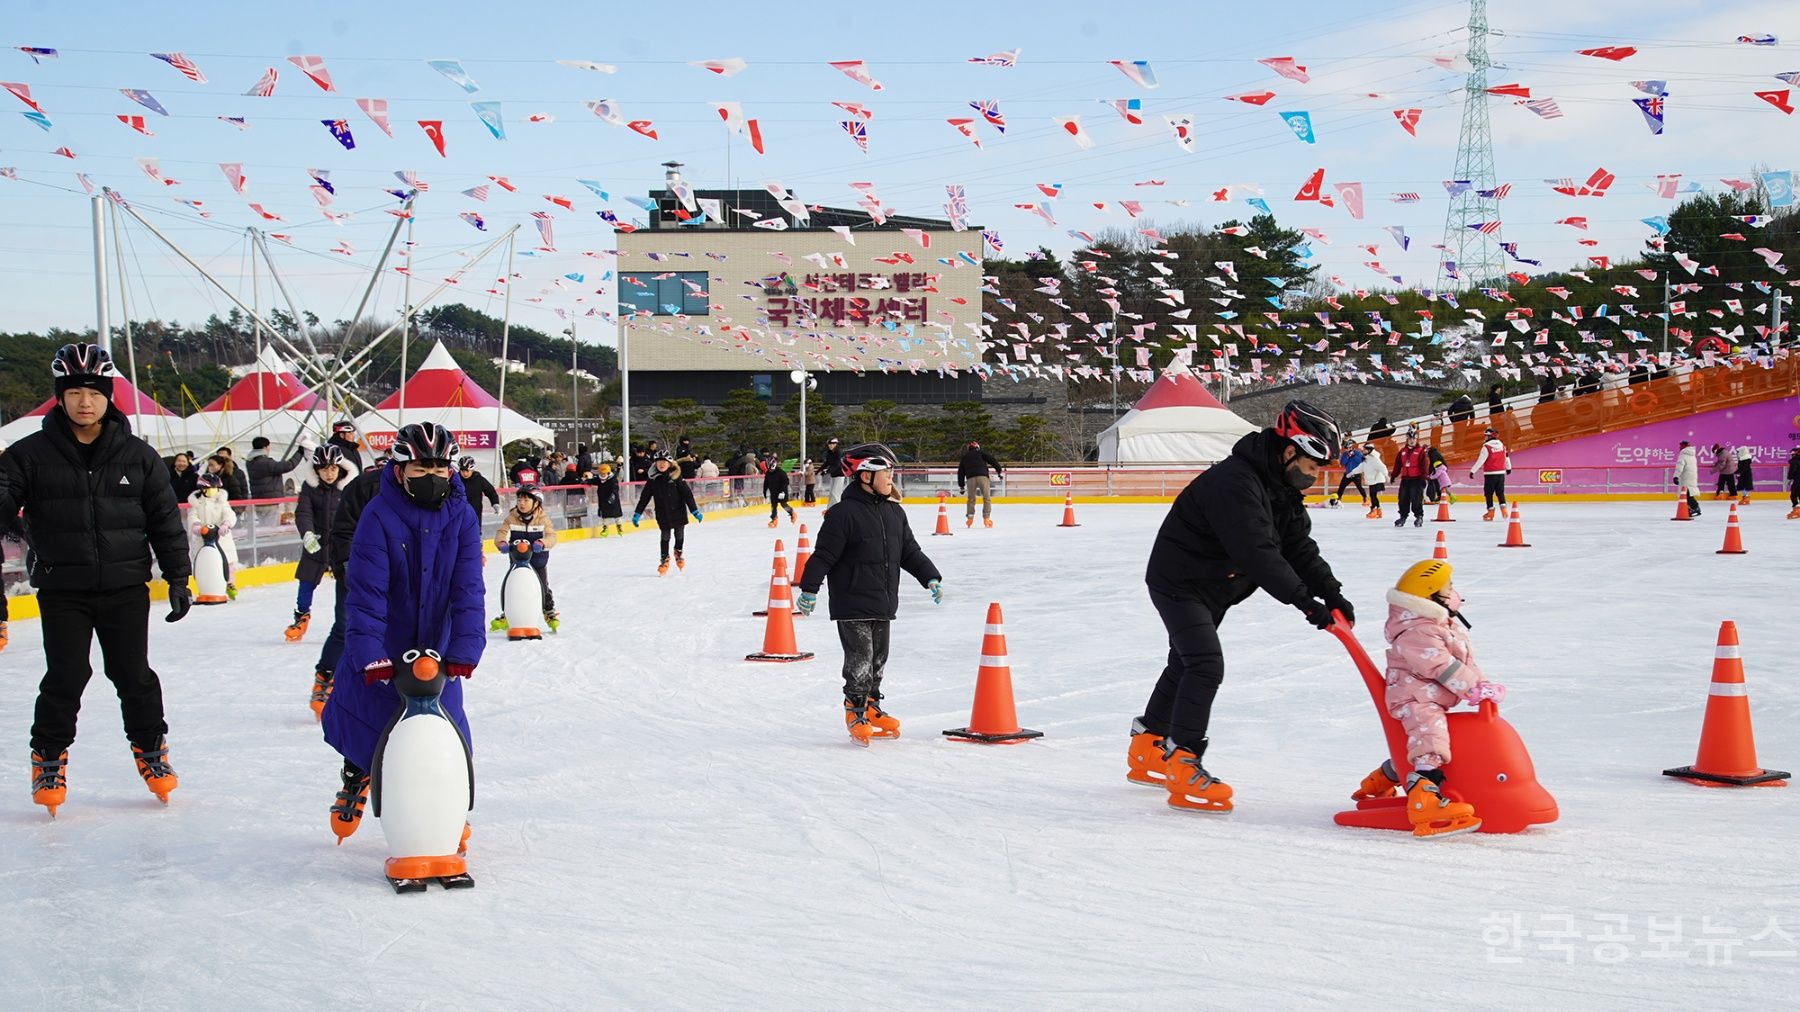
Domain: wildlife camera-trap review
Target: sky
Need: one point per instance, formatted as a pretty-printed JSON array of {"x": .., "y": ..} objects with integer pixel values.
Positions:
[{"x": 1199, "y": 52}]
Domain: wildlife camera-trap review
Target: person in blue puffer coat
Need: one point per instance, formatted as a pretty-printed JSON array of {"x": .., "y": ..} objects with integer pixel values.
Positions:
[{"x": 413, "y": 582}]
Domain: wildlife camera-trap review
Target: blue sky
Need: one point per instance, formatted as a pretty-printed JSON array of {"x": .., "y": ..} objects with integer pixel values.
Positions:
[{"x": 1200, "y": 53}]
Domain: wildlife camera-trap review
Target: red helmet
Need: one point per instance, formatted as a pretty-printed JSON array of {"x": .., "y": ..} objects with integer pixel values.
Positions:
[{"x": 1312, "y": 431}]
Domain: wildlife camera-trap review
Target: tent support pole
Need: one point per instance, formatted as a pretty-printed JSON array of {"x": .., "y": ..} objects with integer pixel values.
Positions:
[{"x": 505, "y": 340}]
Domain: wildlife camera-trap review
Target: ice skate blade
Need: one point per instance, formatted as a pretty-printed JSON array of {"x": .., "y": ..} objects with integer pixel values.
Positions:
[
  {"x": 1146, "y": 780},
  {"x": 1454, "y": 829},
  {"x": 1185, "y": 804}
]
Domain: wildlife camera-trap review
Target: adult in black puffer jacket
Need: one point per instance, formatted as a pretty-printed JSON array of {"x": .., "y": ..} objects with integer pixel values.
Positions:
[
  {"x": 1240, "y": 525},
  {"x": 97, "y": 505}
]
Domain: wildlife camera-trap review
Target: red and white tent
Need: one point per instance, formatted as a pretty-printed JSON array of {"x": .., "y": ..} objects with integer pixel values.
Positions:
[
  {"x": 269, "y": 400},
  {"x": 158, "y": 425},
  {"x": 1176, "y": 421},
  {"x": 441, "y": 392}
]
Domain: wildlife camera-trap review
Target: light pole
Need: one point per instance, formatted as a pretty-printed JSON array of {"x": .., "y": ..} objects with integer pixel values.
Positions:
[
  {"x": 804, "y": 381},
  {"x": 574, "y": 379}
]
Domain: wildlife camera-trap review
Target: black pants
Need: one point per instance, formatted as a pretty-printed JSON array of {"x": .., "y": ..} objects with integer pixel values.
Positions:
[
  {"x": 1793, "y": 495},
  {"x": 334, "y": 640},
  {"x": 778, "y": 501},
  {"x": 810, "y": 493},
  {"x": 865, "y": 657},
  {"x": 540, "y": 563},
  {"x": 1180, "y": 706},
  {"x": 1375, "y": 494},
  {"x": 1350, "y": 480},
  {"x": 1412, "y": 497},
  {"x": 120, "y": 620},
  {"x": 1746, "y": 482},
  {"x": 1493, "y": 487},
  {"x": 680, "y": 538},
  {"x": 1727, "y": 484}
]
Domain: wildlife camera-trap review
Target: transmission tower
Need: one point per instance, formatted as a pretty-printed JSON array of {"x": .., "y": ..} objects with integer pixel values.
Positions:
[{"x": 1477, "y": 254}]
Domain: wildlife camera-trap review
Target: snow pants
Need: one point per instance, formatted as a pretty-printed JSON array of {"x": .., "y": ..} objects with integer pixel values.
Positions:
[
  {"x": 120, "y": 620},
  {"x": 1412, "y": 497},
  {"x": 1180, "y": 707},
  {"x": 865, "y": 656},
  {"x": 680, "y": 534},
  {"x": 1493, "y": 487},
  {"x": 982, "y": 487},
  {"x": 1427, "y": 732}
]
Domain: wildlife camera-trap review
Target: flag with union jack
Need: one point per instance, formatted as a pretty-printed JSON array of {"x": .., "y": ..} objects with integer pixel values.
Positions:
[
  {"x": 990, "y": 111},
  {"x": 859, "y": 132},
  {"x": 183, "y": 64},
  {"x": 1652, "y": 108}
]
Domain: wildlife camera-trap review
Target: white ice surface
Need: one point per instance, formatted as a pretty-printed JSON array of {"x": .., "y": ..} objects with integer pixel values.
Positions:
[{"x": 662, "y": 825}]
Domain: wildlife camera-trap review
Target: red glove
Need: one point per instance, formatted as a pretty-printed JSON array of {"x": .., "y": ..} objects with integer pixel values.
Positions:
[
  {"x": 457, "y": 669},
  {"x": 378, "y": 671}
]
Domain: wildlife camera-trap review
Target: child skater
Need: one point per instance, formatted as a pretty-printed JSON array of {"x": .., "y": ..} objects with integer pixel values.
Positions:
[
  {"x": 528, "y": 520},
  {"x": 413, "y": 582},
  {"x": 809, "y": 477},
  {"x": 1430, "y": 668},
  {"x": 319, "y": 495},
  {"x": 864, "y": 544},
  {"x": 775, "y": 487},
  {"x": 674, "y": 502},
  {"x": 606, "y": 490},
  {"x": 1440, "y": 476},
  {"x": 1374, "y": 473},
  {"x": 209, "y": 507}
]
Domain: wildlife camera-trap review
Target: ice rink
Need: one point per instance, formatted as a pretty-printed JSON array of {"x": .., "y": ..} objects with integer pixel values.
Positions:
[{"x": 660, "y": 824}]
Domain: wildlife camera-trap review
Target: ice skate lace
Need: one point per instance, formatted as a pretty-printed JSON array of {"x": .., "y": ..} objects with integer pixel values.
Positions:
[
  {"x": 48, "y": 775},
  {"x": 152, "y": 763},
  {"x": 348, "y": 807},
  {"x": 1200, "y": 778},
  {"x": 858, "y": 714}
]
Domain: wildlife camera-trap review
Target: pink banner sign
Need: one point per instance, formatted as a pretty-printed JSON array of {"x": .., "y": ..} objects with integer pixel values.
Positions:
[{"x": 1771, "y": 429}]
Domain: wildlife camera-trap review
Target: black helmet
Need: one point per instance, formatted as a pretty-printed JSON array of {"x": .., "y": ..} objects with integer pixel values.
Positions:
[
  {"x": 343, "y": 426},
  {"x": 661, "y": 455},
  {"x": 531, "y": 489},
  {"x": 83, "y": 365},
  {"x": 466, "y": 464},
  {"x": 327, "y": 456},
  {"x": 1313, "y": 432},
  {"x": 423, "y": 443},
  {"x": 868, "y": 457}
]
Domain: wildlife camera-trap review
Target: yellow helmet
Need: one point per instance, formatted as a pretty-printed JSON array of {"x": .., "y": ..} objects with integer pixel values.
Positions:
[{"x": 1425, "y": 579}]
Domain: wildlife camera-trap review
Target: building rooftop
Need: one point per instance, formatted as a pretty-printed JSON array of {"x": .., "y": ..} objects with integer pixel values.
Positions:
[{"x": 670, "y": 215}]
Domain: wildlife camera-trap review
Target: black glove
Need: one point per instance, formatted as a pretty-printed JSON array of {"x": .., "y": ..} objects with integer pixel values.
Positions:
[
  {"x": 1336, "y": 601},
  {"x": 179, "y": 601},
  {"x": 1316, "y": 611}
]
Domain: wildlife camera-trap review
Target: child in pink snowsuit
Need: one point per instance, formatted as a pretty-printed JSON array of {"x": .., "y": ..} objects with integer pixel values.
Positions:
[{"x": 1430, "y": 662}]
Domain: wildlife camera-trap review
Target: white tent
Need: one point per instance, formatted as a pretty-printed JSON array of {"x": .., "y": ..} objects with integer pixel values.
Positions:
[
  {"x": 269, "y": 400},
  {"x": 1176, "y": 421},
  {"x": 441, "y": 392}
]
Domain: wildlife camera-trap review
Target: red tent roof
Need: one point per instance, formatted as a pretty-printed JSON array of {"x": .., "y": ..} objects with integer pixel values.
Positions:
[
  {"x": 266, "y": 389},
  {"x": 1177, "y": 390},
  {"x": 440, "y": 383},
  {"x": 130, "y": 400}
]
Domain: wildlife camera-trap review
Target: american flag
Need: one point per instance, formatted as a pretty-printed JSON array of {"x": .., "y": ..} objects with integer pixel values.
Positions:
[
  {"x": 859, "y": 132},
  {"x": 1407, "y": 197},
  {"x": 1544, "y": 107},
  {"x": 1485, "y": 227},
  {"x": 545, "y": 229},
  {"x": 265, "y": 86},
  {"x": 1497, "y": 193},
  {"x": 477, "y": 192},
  {"x": 183, "y": 64}
]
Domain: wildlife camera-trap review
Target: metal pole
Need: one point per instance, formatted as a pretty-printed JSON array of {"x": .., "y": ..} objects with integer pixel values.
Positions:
[
  {"x": 406, "y": 312},
  {"x": 137, "y": 396},
  {"x": 505, "y": 339},
  {"x": 256, "y": 308},
  {"x": 103, "y": 336},
  {"x": 574, "y": 380},
  {"x": 625, "y": 390},
  {"x": 805, "y": 381},
  {"x": 1665, "y": 347}
]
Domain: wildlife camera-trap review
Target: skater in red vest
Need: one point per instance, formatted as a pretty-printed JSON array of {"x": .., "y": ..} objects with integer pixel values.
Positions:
[{"x": 1494, "y": 467}]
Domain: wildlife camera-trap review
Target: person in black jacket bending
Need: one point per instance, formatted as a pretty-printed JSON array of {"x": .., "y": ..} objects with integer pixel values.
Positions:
[
  {"x": 476, "y": 487},
  {"x": 97, "y": 505},
  {"x": 972, "y": 472},
  {"x": 863, "y": 545},
  {"x": 775, "y": 489},
  {"x": 1240, "y": 525},
  {"x": 674, "y": 502}
]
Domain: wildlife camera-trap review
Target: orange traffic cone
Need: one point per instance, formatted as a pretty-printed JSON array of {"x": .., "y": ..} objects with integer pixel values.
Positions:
[
  {"x": 943, "y": 524},
  {"x": 1069, "y": 510},
  {"x": 1443, "y": 516},
  {"x": 1727, "y": 748},
  {"x": 1734, "y": 538},
  {"x": 1681, "y": 507},
  {"x": 802, "y": 552},
  {"x": 1515, "y": 533},
  {"x": 992, "y": 719},
  {"x": 1442, "y": 550},
  {"x": 778, "y": 634}
]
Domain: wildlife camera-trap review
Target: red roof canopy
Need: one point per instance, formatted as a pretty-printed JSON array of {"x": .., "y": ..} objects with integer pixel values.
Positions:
[
  {"x": 265, "y": 391},
  {"x": 440, "y": 383},
  {"x": 1177, "y": 390}
]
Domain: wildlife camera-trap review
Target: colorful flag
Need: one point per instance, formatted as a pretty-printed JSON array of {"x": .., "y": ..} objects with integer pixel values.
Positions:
[
  {"x": 42, "y": 121},
  {"x": 856, "y": 71},
  {"x": 732, "y": 113},
  {"x": 1574, "y": 222},
  {"x": 183, "y": 64},
  {"x": 1300, "y": 123},
  {"x": 1789, "y": 77},
  {"x": 1778, "y": 99},
  {"x": 1286, "y": 67},
  {"x": 38, "y": 54},
  {"x": 1004, "y": 59},
  {"x": 1497, "y": 193},
  {"x": 990, "y": 111},
  {"x": 1484, "y": 227},
  {"x": 991, "y": 239},
  {"x": 641, "y": 126},
  {"x": 454, "y": 72},
  {"x": 476, "y": 193},
  {"x": 145, "y": 99},
  {"x": 1071, "y": 125},
  {"x": 1510, "y": 90},
  {"x": 1352, "y": 196},
  {"x": 266, "y": 215},
  {"x": 1040, "y": 210},
  {"x": 489, "y": 114},
  {"x": 1406, "y": 197},
  {"x": 504, "y": 184},
  {"x": 340, "y": 129},
  {"x": 546, "y": 231},
  {"x": 314, "y": 69},
  {"x": 1314, "y": 186},
  {"x": 1183, "y": 127},
  {"x": 234, "y": 174},
  {"x": 136, "y": 123},
  {"x": 265, "y": 85},
  {"x": 236, "y": 121},
  {"x": 607, "y": 110},
  {"x": 434, "y": 129},
  {"x": 376, "y": 109},
  {"x": 23, "y": 93},
  {"x": 1139, "y": 71},
  {"x": 474, "y": 219},
  {"x": 858, "y": 131},
  {"x": 1763, "y": 39},
  {"x": 1400, "y": 236},
  {"x": 1453, "y": 187},
  {"x": 1614, "y": 53},
  {"x": 755, "y": 129},
  {"x": 1546, "y": 108},
  {"x": 1252, "y": 97},
  {"x": 1780, "y": 188},
  {"x": 322, "y": 179},
  {"x": 723, "y": 68},
  {"x": 1130, "y": 108},
  {"x": 1409, "y": 120},
  {"x": 600, "y": 68},
  {"x": 1651, "y": 87},
  {"x": 966, "y": 127},
  {"x": 855, "y": 109},
  {"x": 1652, "y": 108}
]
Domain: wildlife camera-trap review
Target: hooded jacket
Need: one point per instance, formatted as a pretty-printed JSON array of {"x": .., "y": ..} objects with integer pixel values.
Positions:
[
  {"x": 1429, "y": 656},
  {"x": 1491, "y": 459},
  {"x": 414, "y": 581},
  {"x": 672, "y": 497},
  {"x": 1237, "y": 527},
  {"x": 352, "y": 450},
  {"x": 318, "y": 504},
  {"x": 1373, "y": 470},
  {"x": 93, "y": 518},
  {"x": 351, "y": 501},
  {"x": 477, "y": 489},
  {"x": 606, "y": 494},
  {"x": 1687, "y": 470},
  {"x": 863, "y": 545}
]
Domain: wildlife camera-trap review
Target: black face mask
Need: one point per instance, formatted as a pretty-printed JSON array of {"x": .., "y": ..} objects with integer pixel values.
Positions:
[
  {"x": 1298, "y": 479},
  {"x": 428, "y": 490}
]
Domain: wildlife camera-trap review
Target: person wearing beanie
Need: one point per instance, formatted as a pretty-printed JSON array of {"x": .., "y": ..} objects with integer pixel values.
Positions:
[{"x": 265, "y": 477}]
